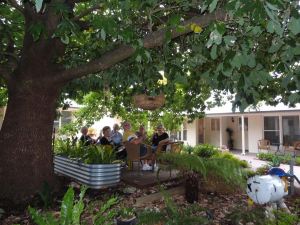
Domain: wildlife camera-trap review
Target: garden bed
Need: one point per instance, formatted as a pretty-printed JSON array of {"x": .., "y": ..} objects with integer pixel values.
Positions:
[{"x": 95, "y": 176}]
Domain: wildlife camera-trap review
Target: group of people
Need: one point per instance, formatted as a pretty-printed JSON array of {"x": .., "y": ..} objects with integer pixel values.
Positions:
[{"x": 117, "y": 140}]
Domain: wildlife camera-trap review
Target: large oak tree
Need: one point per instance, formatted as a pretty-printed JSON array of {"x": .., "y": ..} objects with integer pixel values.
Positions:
[{"x": 53, "y": 49}]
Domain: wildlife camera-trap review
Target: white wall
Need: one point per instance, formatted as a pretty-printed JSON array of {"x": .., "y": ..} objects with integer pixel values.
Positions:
[
  {"x": 191, "y": 133},
  {"x": 255, "y": 131},
  {"x": 211, "y": 137}
]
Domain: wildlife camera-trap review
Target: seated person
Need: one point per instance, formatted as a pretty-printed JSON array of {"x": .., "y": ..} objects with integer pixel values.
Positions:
[
  {"x": 141, "y": 133},
  {"x": 106, "y": 138},
  {"x": 116, "y": 136},
  {"x": 130, "y": 136},
  {"x": 159, "y": 137},
  {"x": 85, "y": 139}
]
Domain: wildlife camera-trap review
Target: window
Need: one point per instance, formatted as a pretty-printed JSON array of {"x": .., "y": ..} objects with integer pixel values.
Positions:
[
  {"x": 290, "y": 129},
  {"x": 215, "y": 124},
  {"x": 179, "y": 135},
  {"x": 184, "y": 131},
  {"x": 271, "y": 129}
]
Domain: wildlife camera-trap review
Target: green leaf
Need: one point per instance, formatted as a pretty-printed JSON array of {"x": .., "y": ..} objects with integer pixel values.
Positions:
[
  {"x": 138, "y": 58},
  {"x": 272, "y": 7},
  {"x": 296, "y": 50},
  {"x": 229, "y": 40},
  {"x": 270, "y": 14},
  {"x": 174, "y": 20},
  {"x": 237, "y": 60},
  {"x": 103, "y": 34},
  {"x": 276, "y": 45},
  {"x": 213, "y": 5},
  {"x": 78, "y": 207},
  {"x": 38, "y": 5},
  {"x": 66, "y": 212},
  {"x": 294, "y": 25},
  {"x": 213, "y": 52},
  {"x": 251, "y": 60},
  {"x": 65, "y": 39},
  {"x": 214, "y": 38},
  {"x": 293, "y": 98}
]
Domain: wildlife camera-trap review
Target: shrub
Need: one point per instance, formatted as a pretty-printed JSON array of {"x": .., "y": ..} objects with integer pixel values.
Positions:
[
  {"x": 71, "y": 211},
  {"x": 230, "y": 156},
  {"x": 206, "y": 150},
  {"x": 275, "y": 159},
  {"x": 187, "y": 149}
]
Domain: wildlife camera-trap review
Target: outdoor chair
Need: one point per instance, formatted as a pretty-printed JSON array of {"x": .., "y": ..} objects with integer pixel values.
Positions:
[
  {"x": 295, "y": 148},
  {"x": 133, "y": 153},
  {"x": 176, "y": 147},
  {"x": 263, "y": 145}
]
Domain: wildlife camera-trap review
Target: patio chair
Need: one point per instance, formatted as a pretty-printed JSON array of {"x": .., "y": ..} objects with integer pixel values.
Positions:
[
  {"x": 176, "y": 147},
  {"x": 133, "y": 153},
  {"x": 295, "y": 148},
  {"x": 263, "y": 144}
]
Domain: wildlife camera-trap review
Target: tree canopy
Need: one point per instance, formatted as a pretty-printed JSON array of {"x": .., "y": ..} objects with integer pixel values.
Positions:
[{"x": 247, "y": 48}]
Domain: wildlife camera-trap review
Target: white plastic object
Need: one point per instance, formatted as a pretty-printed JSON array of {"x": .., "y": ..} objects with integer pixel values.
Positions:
[{"x": 266, "y": 189}]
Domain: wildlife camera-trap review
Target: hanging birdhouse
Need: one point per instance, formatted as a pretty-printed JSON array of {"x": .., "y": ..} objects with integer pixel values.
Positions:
[{"x": 147, "y": 102}]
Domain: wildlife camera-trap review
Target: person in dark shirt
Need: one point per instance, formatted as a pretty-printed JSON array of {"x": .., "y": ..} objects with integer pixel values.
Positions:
[
  {"x": 106, "y": 138},
  {"x": 159, "y": 137},
  {"x": 85, "y": 139}
]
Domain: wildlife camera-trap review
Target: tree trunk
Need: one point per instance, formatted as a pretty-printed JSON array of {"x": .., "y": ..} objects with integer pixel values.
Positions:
[{"x": 25, "y": 140}]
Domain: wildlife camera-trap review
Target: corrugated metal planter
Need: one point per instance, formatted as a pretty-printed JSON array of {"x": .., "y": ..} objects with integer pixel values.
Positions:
[{"x": 95, "y": 176}]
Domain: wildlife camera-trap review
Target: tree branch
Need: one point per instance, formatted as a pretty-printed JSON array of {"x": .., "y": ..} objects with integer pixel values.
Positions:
[
  {"x": 123, "y": 52},
  {"x": 14, "y": 4},
  {"x": 86, "y": 12}
]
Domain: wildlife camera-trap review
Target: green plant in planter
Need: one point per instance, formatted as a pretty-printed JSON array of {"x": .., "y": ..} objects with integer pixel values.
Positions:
[
  {"x": 91, "y": 154},
  {"x": 99, "y": 154}
]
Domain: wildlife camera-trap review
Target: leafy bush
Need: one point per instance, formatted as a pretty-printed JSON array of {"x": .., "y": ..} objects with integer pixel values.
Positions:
[
  {"x": 187, "y": 149},
  {"x": 229, "y": 156},
  {"x": 71, "y": 211},
  {"x": 91, "y": 154},
  {"x": 224, "y": 169},
  {"x": 276, "y": 159},
  {"x": 206, "y": 150}
]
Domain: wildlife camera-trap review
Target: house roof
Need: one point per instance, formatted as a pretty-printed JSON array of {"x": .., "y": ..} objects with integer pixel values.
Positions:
[{"x": 226, "y": 109}]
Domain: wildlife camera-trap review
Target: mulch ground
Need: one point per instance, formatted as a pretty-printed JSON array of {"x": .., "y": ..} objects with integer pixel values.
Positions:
[{"x": 216, "y": 206}]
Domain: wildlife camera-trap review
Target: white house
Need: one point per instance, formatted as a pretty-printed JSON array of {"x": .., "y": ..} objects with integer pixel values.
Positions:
[{"x": 279, "y": 124}]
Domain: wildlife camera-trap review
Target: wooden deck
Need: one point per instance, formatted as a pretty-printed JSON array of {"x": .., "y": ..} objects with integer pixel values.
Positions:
[{"x": 145, "y": 179}]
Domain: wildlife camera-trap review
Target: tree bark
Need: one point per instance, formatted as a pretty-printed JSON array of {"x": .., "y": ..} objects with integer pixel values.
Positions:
[{"x": 26, "y": 160}]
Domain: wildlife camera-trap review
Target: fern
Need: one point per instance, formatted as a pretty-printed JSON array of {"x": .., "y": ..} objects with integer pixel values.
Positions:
[{"x": 224, "y": 169}]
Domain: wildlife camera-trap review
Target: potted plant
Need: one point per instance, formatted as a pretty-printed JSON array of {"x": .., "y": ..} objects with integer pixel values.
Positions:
[
  {"x": 126, "y": 216},
  {"x": 94, "y": 165}
]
